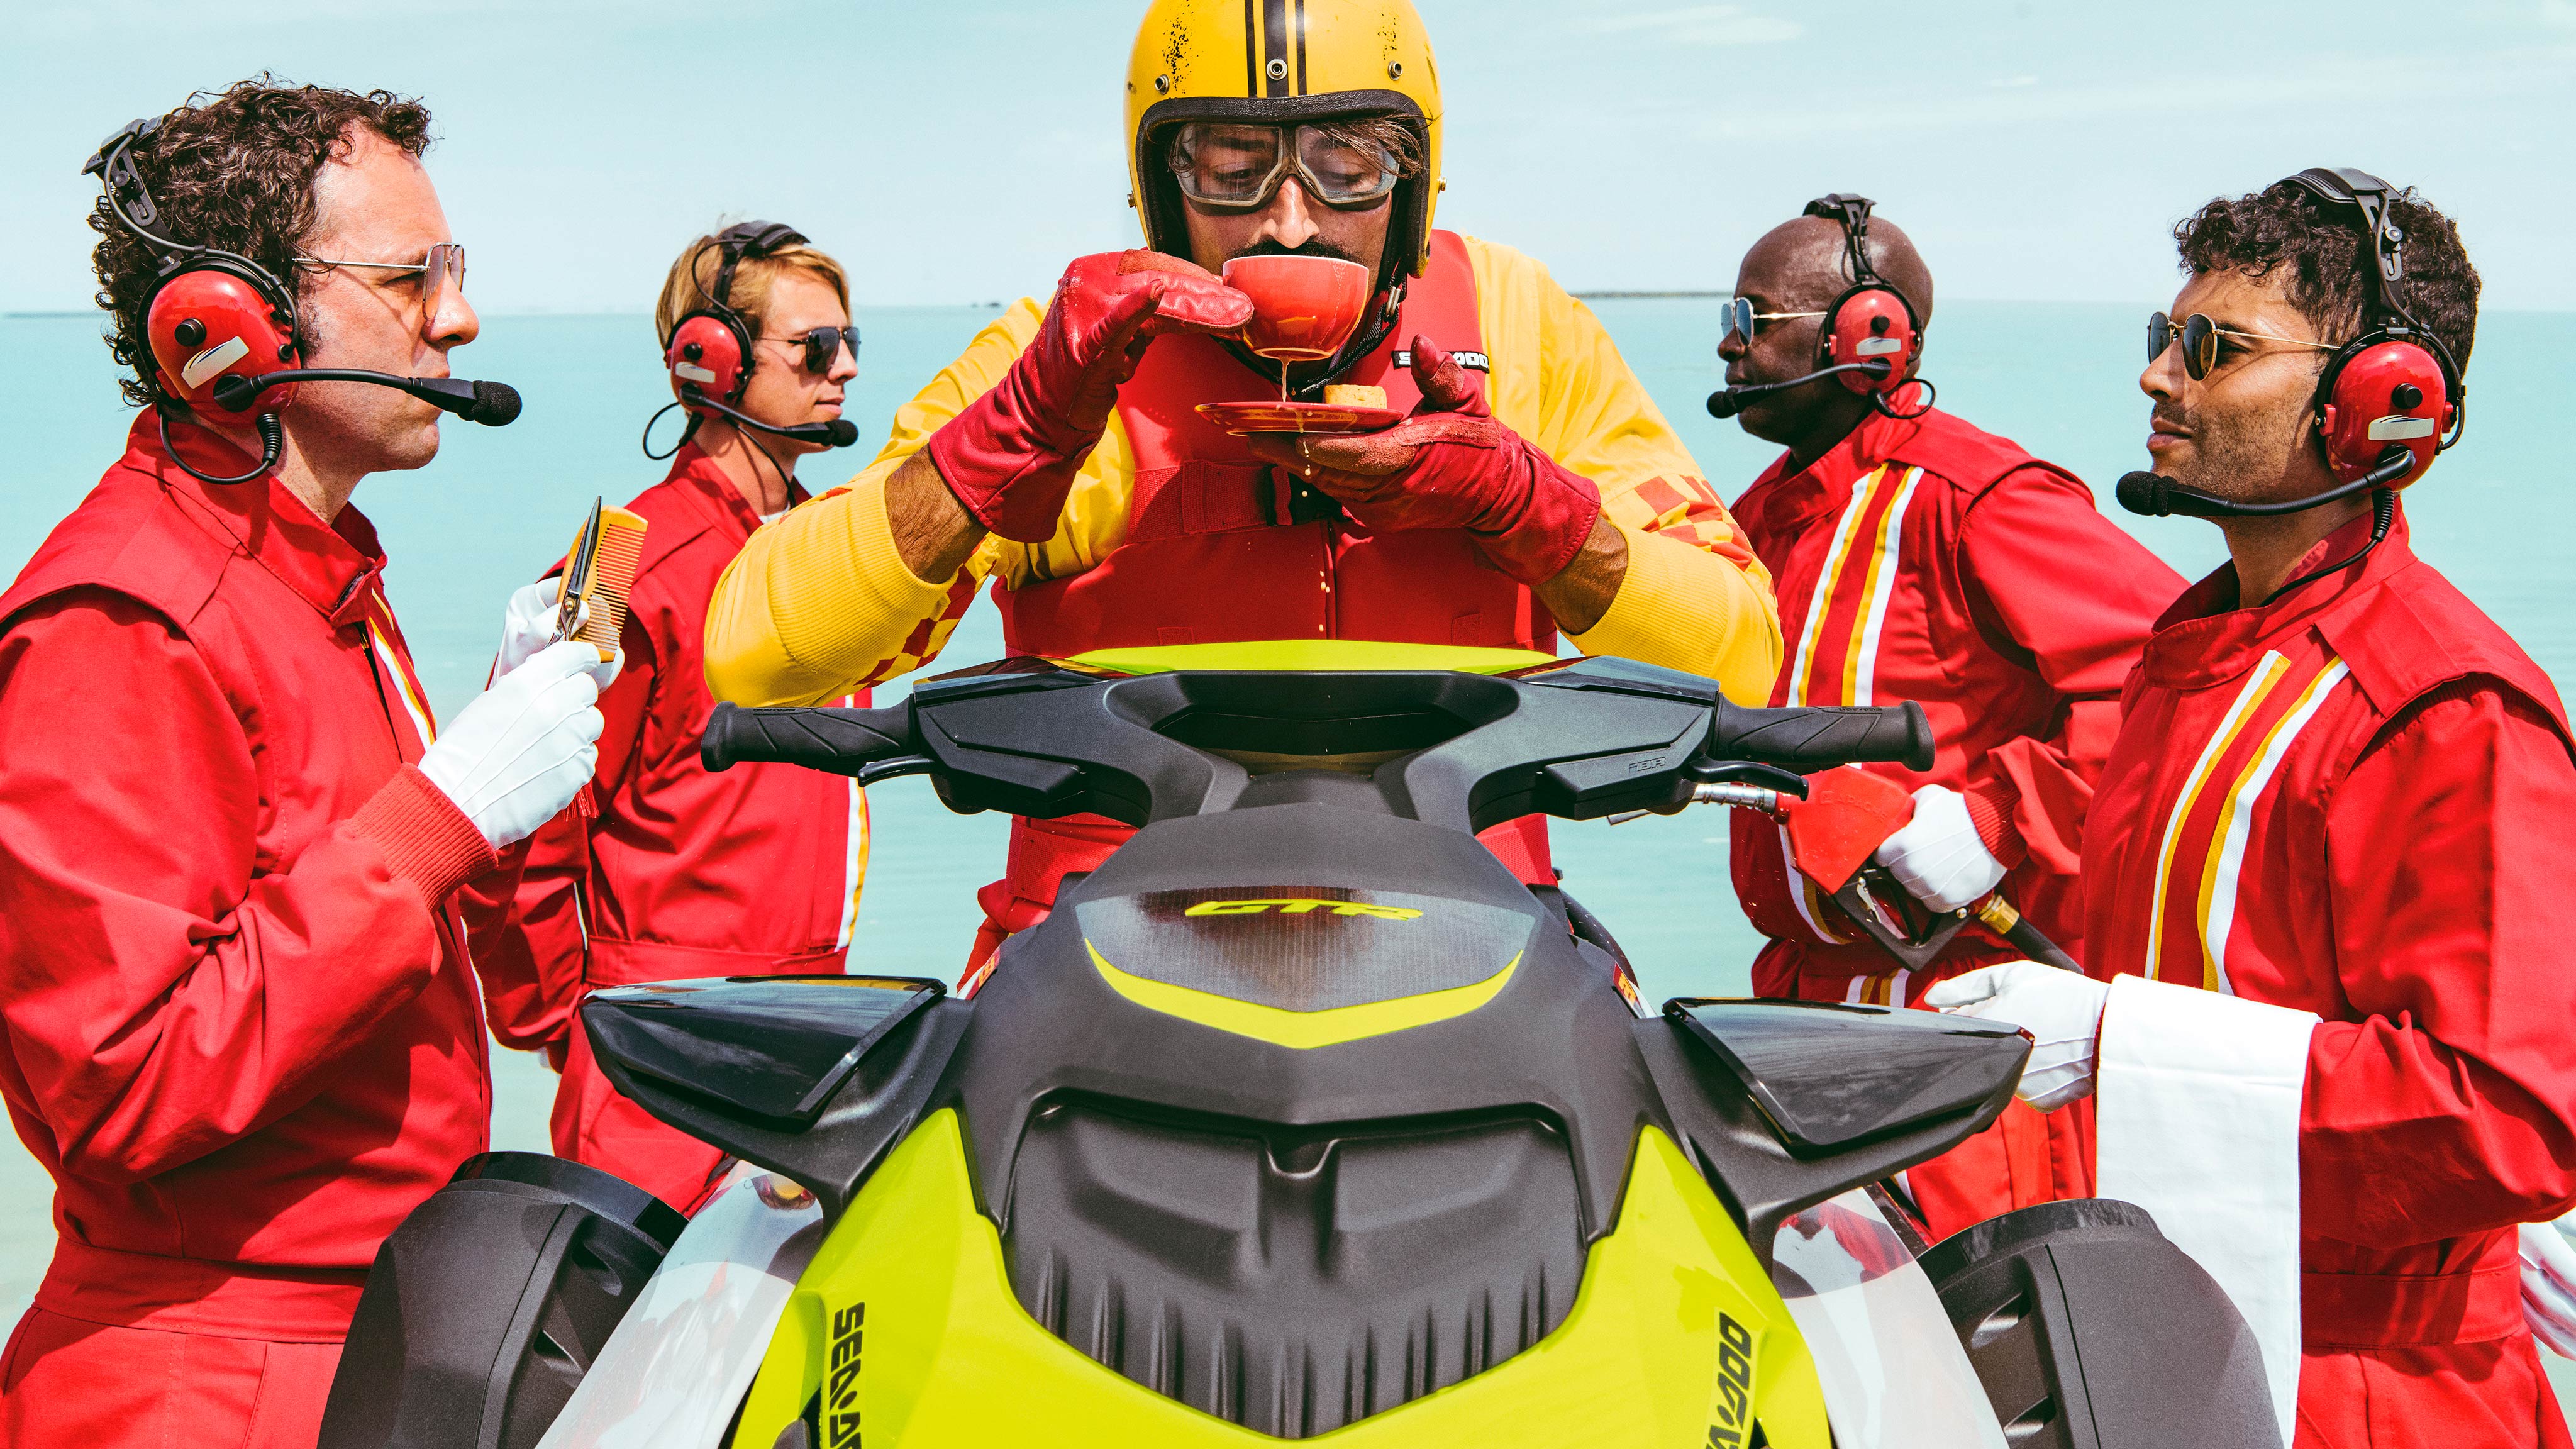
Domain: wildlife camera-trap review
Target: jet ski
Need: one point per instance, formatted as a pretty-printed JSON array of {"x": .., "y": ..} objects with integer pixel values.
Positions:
[{"x": 1301, "y": 1118}]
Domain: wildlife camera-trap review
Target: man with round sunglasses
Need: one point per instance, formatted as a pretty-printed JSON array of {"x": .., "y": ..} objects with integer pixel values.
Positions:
[
  {"x": 1534, "y": 489},
  {"x": 1920, "y": 558},
  {"x": 679, "y": 872},
  {"x": 244, "y": 1034},
  {"x": 2327, "y": 888}
]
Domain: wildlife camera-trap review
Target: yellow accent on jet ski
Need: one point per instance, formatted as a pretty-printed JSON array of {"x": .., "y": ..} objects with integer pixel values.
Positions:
[
  {"x": 905, "y": 1325},
  {"x": 1301, "y": 1029},
  {"x": 1308, "y": 654}
]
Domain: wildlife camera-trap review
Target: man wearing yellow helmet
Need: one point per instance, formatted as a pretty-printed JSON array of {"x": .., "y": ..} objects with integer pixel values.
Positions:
[{"x": 1534, "y": 487}]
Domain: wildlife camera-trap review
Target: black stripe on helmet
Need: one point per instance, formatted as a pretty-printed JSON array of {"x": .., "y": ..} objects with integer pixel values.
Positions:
[
  {"x": 1301, "y": 47},
  {"x": 1275, "y": 46},
  {"x": 1251, "y": 50}
]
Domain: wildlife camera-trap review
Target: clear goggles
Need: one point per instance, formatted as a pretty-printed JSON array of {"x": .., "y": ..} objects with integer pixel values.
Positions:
[
  {"x": 1238, "y": 165},
  {"x": 441, "y": 275}
]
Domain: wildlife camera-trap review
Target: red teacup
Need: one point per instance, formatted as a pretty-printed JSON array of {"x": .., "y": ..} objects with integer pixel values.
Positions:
[{"x": 1303, "y": 308}]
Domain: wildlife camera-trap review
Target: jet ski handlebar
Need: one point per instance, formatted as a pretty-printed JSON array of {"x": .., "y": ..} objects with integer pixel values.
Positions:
[
  {"x": 1578, "y": 739},
  {"x": 1819, "y": 737},
  {"x": 840, "y": 741}
]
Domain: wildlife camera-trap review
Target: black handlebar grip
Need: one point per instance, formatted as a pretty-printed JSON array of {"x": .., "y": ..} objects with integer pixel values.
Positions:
[
  {"x": 839, "y": 741},
  {"x": 1820, "y": 737}
]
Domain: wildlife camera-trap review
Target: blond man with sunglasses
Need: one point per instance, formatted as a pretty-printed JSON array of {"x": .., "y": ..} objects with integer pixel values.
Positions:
[{"x": 680, "y": 872}]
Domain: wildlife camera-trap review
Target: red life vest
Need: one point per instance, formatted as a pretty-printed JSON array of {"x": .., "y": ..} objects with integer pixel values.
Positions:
[{"x": 1211, "y": 556}]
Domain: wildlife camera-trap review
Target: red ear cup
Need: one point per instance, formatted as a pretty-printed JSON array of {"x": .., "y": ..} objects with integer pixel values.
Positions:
[
  {"x": 2379, "y": 393},
  {"x": 707, "y": 352},
  {"x": 208, "y": 323},
  {"x": 1872, "y": 323}
]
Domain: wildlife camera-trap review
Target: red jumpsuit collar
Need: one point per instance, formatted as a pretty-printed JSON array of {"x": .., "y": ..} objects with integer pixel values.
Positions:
[
  {"x": 705, "y": 479},
  {"x": 1781, "y": 500},
  {"x": 2205, "y": 639},
  {"x": 329, "y": 566}
]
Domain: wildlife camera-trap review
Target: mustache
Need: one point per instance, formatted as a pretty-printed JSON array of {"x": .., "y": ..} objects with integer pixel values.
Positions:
[{"x": 1314, "y": 247}]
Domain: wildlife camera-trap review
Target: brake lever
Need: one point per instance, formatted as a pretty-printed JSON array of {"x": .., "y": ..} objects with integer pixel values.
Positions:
[
  {"x": 894, "y": 766},
  {"x": 1743, "y": 784}
]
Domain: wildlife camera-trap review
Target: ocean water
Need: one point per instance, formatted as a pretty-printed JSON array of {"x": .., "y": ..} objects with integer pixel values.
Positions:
[{"x": 498, "y": 505}]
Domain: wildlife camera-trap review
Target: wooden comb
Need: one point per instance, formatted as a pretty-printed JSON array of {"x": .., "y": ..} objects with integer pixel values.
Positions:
[{"x": 598, "y": 574}]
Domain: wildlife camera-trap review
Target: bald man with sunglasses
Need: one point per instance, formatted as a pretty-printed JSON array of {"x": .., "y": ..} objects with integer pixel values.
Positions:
[{"x": 1920, "y": 558}]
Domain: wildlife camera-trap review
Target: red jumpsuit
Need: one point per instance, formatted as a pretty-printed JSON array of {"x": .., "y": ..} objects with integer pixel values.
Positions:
[
  {"x": 1926, "y": 560},
  {"x": 242, "y": 1034},
  {"x": 682, "y": 873},
  {"x": 2356, "y": 802}
]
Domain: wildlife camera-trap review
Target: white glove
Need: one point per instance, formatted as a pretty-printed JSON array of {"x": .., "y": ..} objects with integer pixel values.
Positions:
[
  {"x": 2549, "y": 1283},
  {"x": 1938, "y": 856},
  {"x": 528, "y": 625},
  {"x": 2061, "y": 1010},
  {"x": 515, "y": 756}
]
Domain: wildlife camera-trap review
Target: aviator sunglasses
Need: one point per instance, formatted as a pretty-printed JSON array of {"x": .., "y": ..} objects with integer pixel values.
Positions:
[
  {"x": 441, "y": 271},
  {"x": 2200, "y": 337},
  {"x": 823, "y": 346},
  {"x": 1742, "y": 321}
]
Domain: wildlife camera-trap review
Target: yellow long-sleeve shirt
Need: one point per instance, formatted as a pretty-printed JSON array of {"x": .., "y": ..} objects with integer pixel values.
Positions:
[{"x": 820, "y": 603}]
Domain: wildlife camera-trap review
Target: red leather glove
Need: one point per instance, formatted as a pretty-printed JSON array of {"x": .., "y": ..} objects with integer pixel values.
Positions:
[
  {"x": 1451, "y": 465},
  {"x": 1010, "y": 457}
]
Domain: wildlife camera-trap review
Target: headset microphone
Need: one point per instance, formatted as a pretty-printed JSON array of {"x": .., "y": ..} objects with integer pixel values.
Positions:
[
  {"x": 493, "y": 404},
  {"x": 1727, "y": 402},
  {"x": 2157, "y": 496},
  {"x": 837, "y": 433}
]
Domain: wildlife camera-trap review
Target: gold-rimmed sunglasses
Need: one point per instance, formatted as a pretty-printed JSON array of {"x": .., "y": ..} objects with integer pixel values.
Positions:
[
  {"x": 2199, "y": 338},
  {"x": 440, "y": 271},
  {"x": 1742, "y": 321}
]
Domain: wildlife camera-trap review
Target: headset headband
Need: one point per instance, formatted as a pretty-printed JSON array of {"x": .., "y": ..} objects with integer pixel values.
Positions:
[
  {"x": 131, "y": 202},
  {"x": 1851, "y": 210},
  {"x": 747, "y": 239},
  {"x": 2367, "y": 194}
]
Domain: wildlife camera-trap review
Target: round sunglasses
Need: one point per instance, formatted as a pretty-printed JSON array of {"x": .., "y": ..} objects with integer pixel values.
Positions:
[
  {"x": 823, "y": 346},
  {"x": 2199, "y": 337}
]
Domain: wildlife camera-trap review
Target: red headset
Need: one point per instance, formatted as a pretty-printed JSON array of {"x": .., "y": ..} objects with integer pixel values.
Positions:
[
  {"x": 222, "y": 328},
  {"x": 710, "y": 349},
  {"x": 2395, "y": 384},
  {"x": 212, "y": 315},
  {"x": 1871, "y": 321}
]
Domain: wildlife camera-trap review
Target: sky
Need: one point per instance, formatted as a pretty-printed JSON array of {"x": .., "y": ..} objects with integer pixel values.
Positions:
[{"x": 963, "y": 151}]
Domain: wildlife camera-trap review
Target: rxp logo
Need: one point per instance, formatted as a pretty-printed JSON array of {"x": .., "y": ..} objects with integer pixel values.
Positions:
[{"x": 1298, "y": 906}]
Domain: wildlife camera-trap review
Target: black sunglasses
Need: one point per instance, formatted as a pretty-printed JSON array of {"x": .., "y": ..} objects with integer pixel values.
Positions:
[
  {"x": 823, "y": 346},
  {"x": 2200, "y": 341}
]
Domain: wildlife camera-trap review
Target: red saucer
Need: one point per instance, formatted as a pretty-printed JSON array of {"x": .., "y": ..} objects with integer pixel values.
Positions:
[{"x": 1246, "y": 418}]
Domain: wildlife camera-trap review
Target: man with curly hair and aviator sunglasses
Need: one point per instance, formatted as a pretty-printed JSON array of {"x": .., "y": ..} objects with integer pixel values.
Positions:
[
  {"x": 1533, "y": 489},
  {"x": 243, "y": 1032},
  {"x": 2328, "y": 892}
]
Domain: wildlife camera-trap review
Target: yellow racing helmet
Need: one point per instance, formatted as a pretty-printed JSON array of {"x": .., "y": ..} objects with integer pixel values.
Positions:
[{"x": 1278, "y": 62}]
